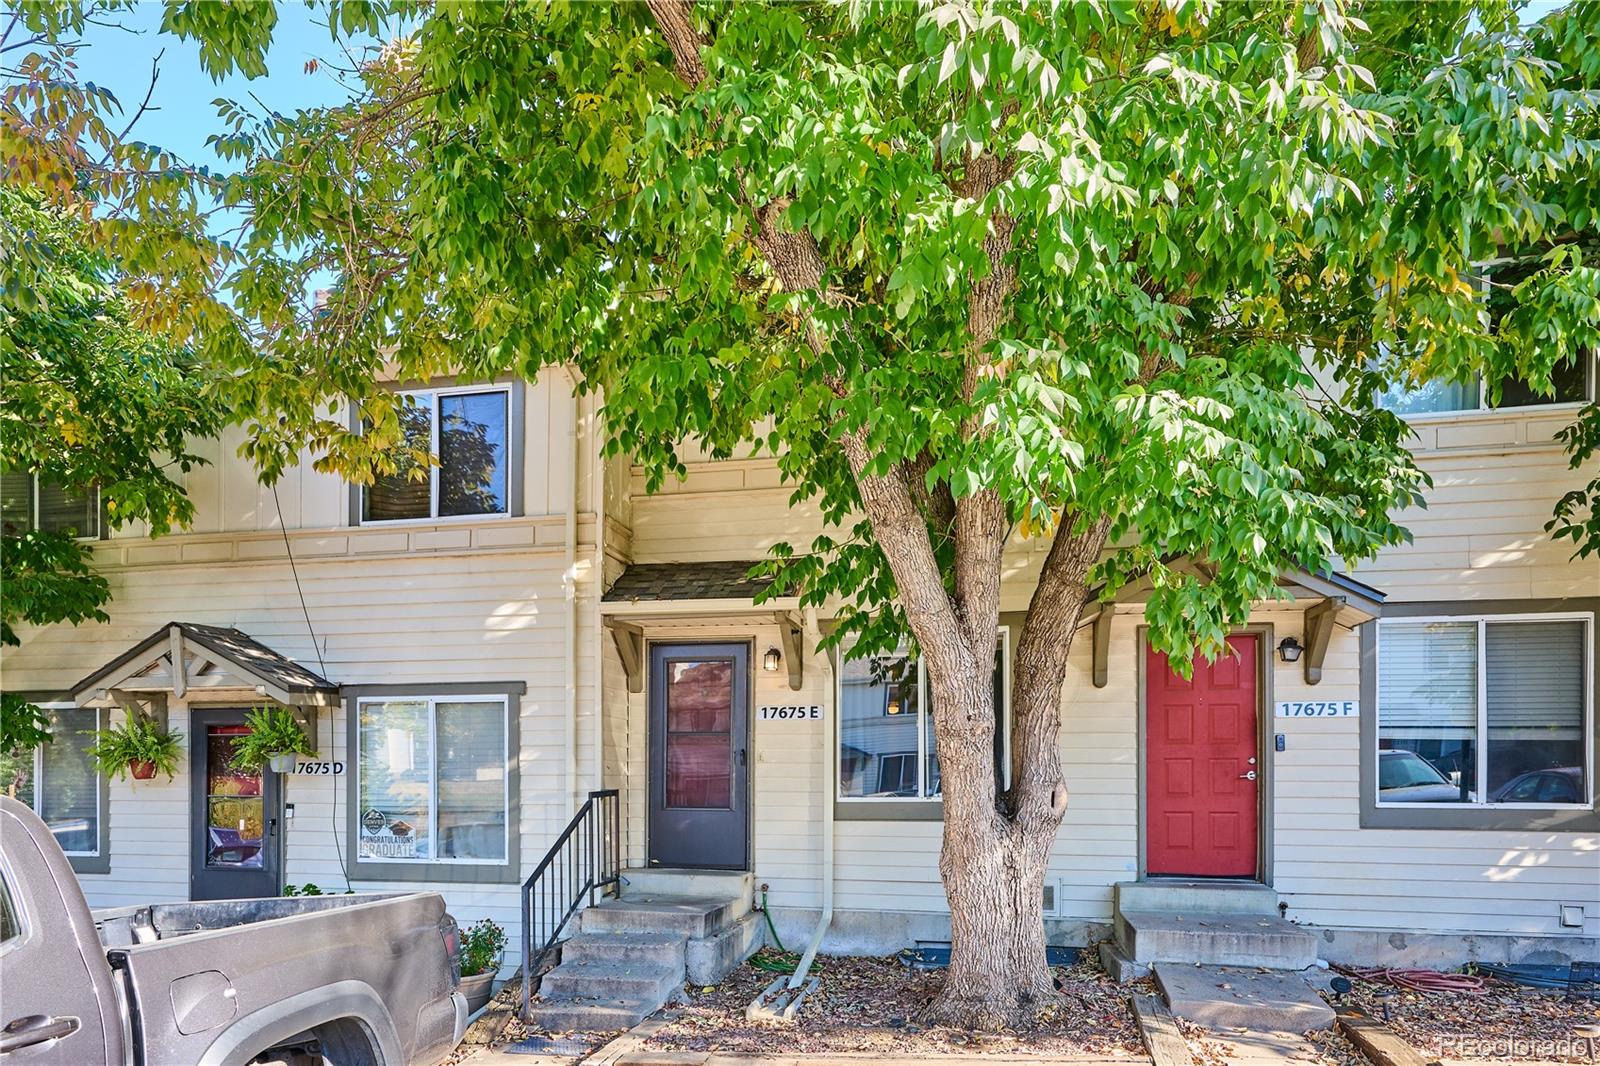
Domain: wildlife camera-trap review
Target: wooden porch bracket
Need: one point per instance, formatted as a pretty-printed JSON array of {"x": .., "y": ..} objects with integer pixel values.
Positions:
[
  {"x": 793, "y": 651},
  {"x": 151, "y": 705},
  {"x": 1319, "y": 627},
  {"x": 630, "y": 649},
  {"x": 1102, "y": 646}
]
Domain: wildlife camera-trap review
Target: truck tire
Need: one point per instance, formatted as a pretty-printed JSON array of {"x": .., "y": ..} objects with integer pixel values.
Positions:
[
  {"x": 345, "y": 1043},
  {"x": 340, "y": 1043}
]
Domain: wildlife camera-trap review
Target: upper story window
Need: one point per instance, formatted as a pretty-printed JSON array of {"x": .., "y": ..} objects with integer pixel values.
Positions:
[
  {"x": 1574, "y": 383},
  {"x": 1493, "y": 710},
  {"x": 58, "y": 780},
  {"x": 469, "y": 429},
  {"x": 887, "y": 748},
  {"x": 29, "y": 502}
]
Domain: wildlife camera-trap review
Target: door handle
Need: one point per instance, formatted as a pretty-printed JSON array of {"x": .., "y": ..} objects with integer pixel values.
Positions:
[
  {"x": 741, "y": 756},
  {"x": 1248, "y": 775},
  {"x": 34, "y": 1029}
]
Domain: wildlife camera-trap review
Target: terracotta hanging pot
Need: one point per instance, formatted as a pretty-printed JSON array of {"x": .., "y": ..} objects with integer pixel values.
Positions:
[{"x": 142, "y": 770}]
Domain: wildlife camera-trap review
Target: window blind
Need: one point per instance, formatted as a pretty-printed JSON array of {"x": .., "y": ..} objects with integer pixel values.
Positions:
[
  {"x": 1428, "y": 678},
  {"x": 1535, "y": 676}
]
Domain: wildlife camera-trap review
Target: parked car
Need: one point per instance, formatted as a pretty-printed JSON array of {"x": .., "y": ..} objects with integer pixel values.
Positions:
[
  {"x": 354, "y": 980},
  {"x": 1559, "y": 784},
  {"x": 1406, "y": 777}
]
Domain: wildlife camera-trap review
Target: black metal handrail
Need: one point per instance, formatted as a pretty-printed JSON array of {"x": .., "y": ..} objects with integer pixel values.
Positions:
[{"x": 586, "y": 858}]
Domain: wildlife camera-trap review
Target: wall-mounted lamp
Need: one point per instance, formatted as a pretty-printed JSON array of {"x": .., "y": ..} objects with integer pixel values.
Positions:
[
  {"x": 771, "y": 660},
  {"x": 1289, "y": 650}
]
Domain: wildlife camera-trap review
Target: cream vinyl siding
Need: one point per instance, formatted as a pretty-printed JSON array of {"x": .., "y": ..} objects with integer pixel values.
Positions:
[
  {"x": 229, "y": 499},
  {"x": 468, "y": 616},
  {"x": 1496, "y": 478}
]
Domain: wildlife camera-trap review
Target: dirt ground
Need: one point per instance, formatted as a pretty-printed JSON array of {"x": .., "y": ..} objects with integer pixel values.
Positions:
[
  {"x": 1506, "y": 1022},
  {"x": 871, "y": 1004}
]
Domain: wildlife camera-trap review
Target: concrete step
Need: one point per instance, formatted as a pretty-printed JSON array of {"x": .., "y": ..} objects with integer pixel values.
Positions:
[
  {"x": 665, "y": 882},
  {"x": 610, "y": 981},
  {"x": 1230, "y": 998},
  {"x": 1196, "y": 897},
  {"x": 709, "y": 959},
  {"x": 1117, "y": 964},
  {"x": 566, "y": 1016},
  {"x": 687, "y": 916},
  {"x": 1215, "y": 940},
  {"x": 623, "y": 949}
]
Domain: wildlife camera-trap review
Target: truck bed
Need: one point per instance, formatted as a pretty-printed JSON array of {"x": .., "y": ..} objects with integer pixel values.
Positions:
[{"x": 144, "y": 924}]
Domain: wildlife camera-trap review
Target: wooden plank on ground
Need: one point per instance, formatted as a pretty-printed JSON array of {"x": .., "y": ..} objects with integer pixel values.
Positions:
[
  {"x": 1378, "y": 1042},
  {"x": 1159, "y": 1029},
  {"x": 488, "y": 1026},
  {"x": 620, "y": 1050}
]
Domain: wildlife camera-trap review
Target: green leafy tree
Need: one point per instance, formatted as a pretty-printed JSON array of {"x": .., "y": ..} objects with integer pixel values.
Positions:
[
  {"x": 1125, "y": 276},
  {"x": 91, "y": 403}
]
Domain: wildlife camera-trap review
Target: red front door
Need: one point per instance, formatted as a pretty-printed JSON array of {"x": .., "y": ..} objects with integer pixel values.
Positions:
[{"x": 1201, "y": 767}]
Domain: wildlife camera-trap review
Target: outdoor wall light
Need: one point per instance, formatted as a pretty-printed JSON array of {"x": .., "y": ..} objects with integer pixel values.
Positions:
[
  {"x": 1289, "y": 650},
  {"x": 771, "y": 661}
]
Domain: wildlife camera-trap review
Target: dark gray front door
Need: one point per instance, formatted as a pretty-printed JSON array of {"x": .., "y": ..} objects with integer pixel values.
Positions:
[
  {"x": 699, "y": 736},
  {"x": 235, "y": 815}
]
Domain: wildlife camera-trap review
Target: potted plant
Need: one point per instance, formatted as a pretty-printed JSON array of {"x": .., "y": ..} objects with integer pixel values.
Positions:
[
  {"x": 138, "y": 746},
  {"x": 481, "y": 949},
  {"x": 274, "y": 740}
]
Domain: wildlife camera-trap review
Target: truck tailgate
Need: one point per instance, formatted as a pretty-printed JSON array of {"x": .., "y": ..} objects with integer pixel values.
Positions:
[{"x": 224, "y": 995}]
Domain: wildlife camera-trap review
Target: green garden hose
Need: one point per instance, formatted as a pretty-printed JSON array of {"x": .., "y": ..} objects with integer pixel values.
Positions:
[
  {"x": 780, "y": 961},
  {"x": 770, "y": 927}
]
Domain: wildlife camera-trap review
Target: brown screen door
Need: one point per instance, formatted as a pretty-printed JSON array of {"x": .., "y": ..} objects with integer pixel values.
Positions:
[{"x": 699, "y": 736}]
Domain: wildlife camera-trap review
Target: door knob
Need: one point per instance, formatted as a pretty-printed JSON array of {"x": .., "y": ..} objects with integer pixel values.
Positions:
[
  {"x": 34, "y": 1029},
  {"x": 1248, "y": 775}
]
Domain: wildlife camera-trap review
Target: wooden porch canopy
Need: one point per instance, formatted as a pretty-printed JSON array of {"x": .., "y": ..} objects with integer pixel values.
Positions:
[
  {"x": 695, "y": 592},
  {"x": 185, "y": 658},
  {"x": 1336, "y": 599}
]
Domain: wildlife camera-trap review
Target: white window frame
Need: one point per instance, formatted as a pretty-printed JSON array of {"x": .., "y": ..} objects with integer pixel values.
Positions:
[
  {"x": 432, "y": 703},
  {"x": 1003, "y": 713},
  {"x": 1481, "y": 741},
  {"x": 33, "y": 516},
  {"x": 99, "y": 782},
  {"x": 433, "y": 516}
]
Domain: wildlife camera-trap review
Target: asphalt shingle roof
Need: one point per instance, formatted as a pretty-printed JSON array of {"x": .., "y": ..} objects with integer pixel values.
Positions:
[
  {"x": 228, "y": 645},
  {"x": 723, "y": 580}
]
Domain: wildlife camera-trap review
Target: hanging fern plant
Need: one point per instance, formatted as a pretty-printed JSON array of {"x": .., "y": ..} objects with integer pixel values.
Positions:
[
  {"x": 274, "y": 732},
  {"x": 139, "y": 747}
]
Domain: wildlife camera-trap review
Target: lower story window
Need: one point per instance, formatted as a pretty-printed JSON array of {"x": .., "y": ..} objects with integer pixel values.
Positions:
[
  {"x": 58, "y": 780},
  {"x": 432, "y": 779},
  {"x": 887, "y": 748},
  {"x": 1480, "y": 711}
]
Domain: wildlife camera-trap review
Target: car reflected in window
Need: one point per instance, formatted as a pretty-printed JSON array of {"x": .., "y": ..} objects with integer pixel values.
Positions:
[{"x": 1406, "y": 777}]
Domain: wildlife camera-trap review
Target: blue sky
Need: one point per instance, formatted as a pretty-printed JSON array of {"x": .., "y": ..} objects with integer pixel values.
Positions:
[{"x": 182, "y": 116}]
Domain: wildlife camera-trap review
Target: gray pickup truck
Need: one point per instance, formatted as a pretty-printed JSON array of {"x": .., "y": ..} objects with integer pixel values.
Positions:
[{"x": 357, "y": 980}]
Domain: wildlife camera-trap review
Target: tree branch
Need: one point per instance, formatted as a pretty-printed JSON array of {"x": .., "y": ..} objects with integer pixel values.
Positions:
[
  {"x": 980, "y": 525},
  {"x": 901, "y": 530}
]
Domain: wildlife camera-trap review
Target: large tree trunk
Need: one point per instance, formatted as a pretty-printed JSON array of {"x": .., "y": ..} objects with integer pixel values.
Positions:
[
  {"x": 993, "y": 871},
  {"x": 997, "y": 846}
]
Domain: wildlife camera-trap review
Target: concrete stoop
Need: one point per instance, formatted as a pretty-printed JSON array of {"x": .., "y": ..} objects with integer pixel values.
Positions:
[
  {"x": 631, "y": 955},
  {"x": 1229, "y": 998},
  {"x": 1215, "y": 939}
]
